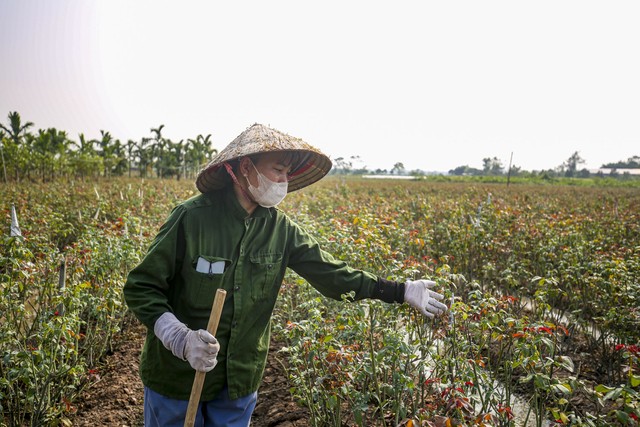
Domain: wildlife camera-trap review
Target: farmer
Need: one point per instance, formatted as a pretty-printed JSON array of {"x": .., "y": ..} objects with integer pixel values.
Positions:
[{"x": 232, "y": 237}]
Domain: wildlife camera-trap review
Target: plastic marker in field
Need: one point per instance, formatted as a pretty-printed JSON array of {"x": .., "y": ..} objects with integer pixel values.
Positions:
[
  {"x": 15, "y": 228},
  {"x": 451, "y": 318}
]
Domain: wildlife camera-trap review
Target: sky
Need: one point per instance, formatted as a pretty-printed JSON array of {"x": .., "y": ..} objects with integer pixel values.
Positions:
[{"x": 430, "y": 84}]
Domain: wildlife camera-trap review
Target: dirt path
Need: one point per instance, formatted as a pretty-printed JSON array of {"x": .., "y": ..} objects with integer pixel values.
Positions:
[{"x": 116, "y": 399}]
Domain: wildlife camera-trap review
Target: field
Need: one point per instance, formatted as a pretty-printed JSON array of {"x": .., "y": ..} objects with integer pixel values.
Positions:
[{"x": 542, "y": 280}]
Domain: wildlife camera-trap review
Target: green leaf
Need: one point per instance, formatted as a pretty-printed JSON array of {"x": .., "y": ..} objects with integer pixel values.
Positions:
[
  {"x": 540, "y": 381},
  {"x": 634, "y": 380},
  {"x": 526, "y": 379},
  {"x": 561, "y": 388},
  {"x": 567, "y": 363},
  {"x": 623, "y": 417},
  {"x": 601, "y": 388},
  {"x": 547, "y": 342},
  {"x": 613, "y": 394}
]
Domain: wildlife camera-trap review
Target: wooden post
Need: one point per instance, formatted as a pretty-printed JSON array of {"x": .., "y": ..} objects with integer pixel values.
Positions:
[
  {"x": 509, "y": 172},
  {"x": 198, "y": 381}
]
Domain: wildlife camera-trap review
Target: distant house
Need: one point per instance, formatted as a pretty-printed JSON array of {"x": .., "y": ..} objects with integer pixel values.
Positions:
[{"x": 621, "y": 171}]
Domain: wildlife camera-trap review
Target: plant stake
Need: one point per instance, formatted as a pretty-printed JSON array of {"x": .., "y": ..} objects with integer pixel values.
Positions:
[{"x": 198, "y": 381}]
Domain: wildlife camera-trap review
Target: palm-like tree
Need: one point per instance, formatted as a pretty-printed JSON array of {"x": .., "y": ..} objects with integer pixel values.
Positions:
[
  {"x": 106, "y": 144},
  {"x": 144, "y": 152},
  {"x": 84, "y": 146},
  {"x": 131, "y": 151},
  {"x": 59, "y": 147},
  {"x": 16, "y": 129},
  {"x": 50, "y": 152},
  {"x": 4, "y": 167},
  {"x": 177, "y": 151},
  {"x": 119, "y": 158},
  {"x": 16, "y": 133},
  {"x": 199, "y": 151},
  {"x": 49, "y": 148},
  {"x": 85, "y": 159},
  {"x": 158, "y": 143}
]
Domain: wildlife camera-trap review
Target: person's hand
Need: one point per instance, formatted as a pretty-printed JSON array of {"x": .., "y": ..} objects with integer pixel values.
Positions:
[
  {"x": 199, "y": 348},
  {"x": 418, "y": 294}
]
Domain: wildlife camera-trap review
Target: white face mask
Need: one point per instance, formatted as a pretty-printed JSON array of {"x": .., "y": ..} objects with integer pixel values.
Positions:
[{"x": 268, "y": 193}]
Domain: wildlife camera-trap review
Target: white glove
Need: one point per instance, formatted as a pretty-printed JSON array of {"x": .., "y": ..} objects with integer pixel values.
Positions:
[
  {"x": 199, "y": 348},
  {"x": 418, "y": 294}
]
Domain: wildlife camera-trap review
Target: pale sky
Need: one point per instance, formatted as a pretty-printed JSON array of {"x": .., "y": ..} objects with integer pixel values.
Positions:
[{"x": 431, "y": 84}]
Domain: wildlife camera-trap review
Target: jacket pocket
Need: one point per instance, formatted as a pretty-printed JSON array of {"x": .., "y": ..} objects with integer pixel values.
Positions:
[
  {"x": 264, "y": 272},
  {"x": 206, "y": 275}
]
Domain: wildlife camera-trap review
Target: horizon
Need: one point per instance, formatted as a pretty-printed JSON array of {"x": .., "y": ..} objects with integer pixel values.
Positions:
[{"x": 355, "y": 157}]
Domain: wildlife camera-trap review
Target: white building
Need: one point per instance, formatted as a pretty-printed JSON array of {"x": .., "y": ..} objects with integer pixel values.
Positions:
[{"x": 607, "y": 171}]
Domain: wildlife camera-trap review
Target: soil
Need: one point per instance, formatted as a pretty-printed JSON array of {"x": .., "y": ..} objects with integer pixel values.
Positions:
[{"x": 116, "y": 397}]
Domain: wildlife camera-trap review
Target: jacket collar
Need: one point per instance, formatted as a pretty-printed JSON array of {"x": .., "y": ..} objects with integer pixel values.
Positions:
[{"x": 236, "y": 209}]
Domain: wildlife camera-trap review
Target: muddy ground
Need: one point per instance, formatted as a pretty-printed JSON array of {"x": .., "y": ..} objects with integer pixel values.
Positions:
[{"x": 116, "y": 398}]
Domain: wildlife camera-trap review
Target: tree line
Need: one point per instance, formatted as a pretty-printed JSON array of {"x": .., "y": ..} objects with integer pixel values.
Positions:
[
  {"x": 570, "y": 168},
  {"x": 492, "y": 166},
  {"x": 49, "y": 154}
]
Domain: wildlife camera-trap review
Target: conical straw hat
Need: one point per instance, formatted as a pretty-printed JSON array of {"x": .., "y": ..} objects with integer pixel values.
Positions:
[{"x": 262, "y": 139}]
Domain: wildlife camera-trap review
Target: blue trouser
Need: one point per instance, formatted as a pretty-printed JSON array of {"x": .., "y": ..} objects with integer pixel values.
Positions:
[{"x": 161, "y": 411}]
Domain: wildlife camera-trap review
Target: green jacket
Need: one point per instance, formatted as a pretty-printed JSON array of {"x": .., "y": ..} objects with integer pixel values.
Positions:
[{"x": 255, "y": 250}]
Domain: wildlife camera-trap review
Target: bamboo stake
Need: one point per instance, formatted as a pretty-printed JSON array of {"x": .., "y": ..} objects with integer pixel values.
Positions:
[
  {"x": 509, "y": 173},
  {"x": 198, "y": 381}
]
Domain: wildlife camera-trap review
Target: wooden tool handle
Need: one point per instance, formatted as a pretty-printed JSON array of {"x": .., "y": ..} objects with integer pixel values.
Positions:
[{"x": 198, "y": 381}]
